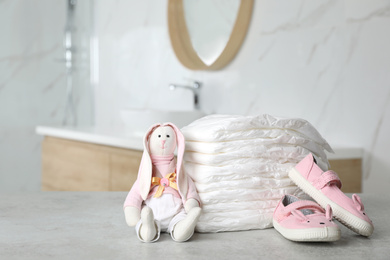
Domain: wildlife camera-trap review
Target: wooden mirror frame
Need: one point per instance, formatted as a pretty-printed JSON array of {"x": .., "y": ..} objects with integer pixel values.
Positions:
[{"x": 182, "y": 45}]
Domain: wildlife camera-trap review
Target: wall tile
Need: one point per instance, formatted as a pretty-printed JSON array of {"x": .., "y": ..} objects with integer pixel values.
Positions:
[
  {"x": 33, "y": 84},
  {"x": 325, "y": 61}
]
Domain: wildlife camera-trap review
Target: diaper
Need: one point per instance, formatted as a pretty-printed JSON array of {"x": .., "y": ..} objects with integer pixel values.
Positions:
[{"x": 240, "y": 166}]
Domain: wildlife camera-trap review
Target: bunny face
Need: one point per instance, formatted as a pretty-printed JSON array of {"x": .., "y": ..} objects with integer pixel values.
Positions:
[{"x": 162, "y": 141}]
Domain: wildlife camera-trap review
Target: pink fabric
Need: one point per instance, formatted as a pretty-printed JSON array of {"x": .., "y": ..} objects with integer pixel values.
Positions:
[
  {"x": 301, "y": 204},
  {"x": 161, "y": 159},
  {"x": 326, "y": 178},
  {"x": 182, "y": 179},
  {"x": 313, "y": 173},
  {"x": 162, "y": 165}
]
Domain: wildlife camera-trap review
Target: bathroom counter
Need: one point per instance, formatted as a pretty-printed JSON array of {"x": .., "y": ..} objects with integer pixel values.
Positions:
[
  {"x": 91, "y": 225},
  {"x": 89, "y": 158},
  {"x": 107, "y": 159},
  {"x": 112, "y": 136},
  {"x": 119, "y": 137}
]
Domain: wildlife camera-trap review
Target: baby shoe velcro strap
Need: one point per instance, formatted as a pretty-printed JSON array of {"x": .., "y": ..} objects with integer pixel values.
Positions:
[
  {"x": 302, "y": 204},
  {"x": 326, "y": 178}
]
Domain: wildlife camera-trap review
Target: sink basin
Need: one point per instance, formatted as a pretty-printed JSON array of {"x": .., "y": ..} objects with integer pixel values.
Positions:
[{"x": 138, "y": 121}]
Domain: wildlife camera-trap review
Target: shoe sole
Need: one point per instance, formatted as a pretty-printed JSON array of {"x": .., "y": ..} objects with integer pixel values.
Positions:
[
  {"x": 325, "y": 234},
  {"x": 348, "y": 219}
]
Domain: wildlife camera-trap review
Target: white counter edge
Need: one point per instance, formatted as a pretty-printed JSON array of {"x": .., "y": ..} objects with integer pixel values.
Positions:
[
  {"x": 115, "y": 138},
  {"x": 346, "y": 153},
  {"x": 134, "y": 143}
]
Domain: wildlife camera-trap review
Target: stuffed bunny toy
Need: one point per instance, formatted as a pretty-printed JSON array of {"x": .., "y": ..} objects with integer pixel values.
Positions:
[{"x": 163, "y": 198}]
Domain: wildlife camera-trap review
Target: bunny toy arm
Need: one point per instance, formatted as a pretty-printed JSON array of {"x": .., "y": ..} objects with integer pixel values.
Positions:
[
  {"x": 132, "y": 215},
  {"x": 190, "y": 204},
  {"x": 132, "y": 206},
  {"x": 193, "y": 199}
]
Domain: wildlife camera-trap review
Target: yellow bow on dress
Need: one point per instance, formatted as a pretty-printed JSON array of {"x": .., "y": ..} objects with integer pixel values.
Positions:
[{"x": 168, "y": 181}]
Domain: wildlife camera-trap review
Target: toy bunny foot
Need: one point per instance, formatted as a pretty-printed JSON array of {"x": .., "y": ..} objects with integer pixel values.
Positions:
[
  {"x": 148, "y": 230},
  {"x": 185, "y": 228}
]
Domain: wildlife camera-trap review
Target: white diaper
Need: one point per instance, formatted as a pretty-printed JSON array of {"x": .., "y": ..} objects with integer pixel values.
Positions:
[
  {"x": 168, "y": 210},
  {"x": 240, "y": 164}
]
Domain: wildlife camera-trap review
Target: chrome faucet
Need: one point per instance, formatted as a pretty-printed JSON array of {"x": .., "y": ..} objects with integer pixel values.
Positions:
[{"x": 194, "y": 88}]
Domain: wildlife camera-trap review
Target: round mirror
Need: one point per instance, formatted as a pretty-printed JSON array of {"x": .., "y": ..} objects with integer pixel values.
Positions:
[
  {"x": 210, "y": 24},
  {"x": 205, "y": 34}
]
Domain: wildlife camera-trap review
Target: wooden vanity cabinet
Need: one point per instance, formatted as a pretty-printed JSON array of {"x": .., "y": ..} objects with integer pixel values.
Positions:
[
  {"x": 78, "y": 166},
  {"x": 349, "y": 172}
]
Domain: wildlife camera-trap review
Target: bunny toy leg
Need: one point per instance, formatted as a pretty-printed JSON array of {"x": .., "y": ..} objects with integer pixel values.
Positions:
[
  {"x": 184, "y": 229},
  {"x": 147, "y": 229}
]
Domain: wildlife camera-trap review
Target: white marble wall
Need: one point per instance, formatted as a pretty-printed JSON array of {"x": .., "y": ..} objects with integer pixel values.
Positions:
[
  {"x": 326, "y": 61},
  {"x": 32, "y": 84}
]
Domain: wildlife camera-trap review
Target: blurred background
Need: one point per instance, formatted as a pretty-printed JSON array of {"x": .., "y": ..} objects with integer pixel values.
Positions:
[{"x": 326, "y": 61}]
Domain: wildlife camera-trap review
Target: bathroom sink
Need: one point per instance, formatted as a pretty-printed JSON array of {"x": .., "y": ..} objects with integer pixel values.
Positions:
[{"x": 138, "y": 121}]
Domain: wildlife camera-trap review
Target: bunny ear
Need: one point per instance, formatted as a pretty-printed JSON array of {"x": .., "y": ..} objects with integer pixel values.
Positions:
[
  {"x": 145, "y": 169},
  {"x": 181, "y": 176}
]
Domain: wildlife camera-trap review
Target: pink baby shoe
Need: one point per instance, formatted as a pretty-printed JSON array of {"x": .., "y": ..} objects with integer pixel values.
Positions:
[
  {"x": 304, "y": 221},
  {"x": 324, "y": 188}
]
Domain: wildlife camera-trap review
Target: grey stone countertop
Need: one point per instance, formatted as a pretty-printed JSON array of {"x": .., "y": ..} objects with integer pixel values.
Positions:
[{"x": 91, "y": 225}]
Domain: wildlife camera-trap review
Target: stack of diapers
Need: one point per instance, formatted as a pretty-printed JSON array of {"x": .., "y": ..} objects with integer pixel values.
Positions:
[{"x": 240, "y": 166}]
